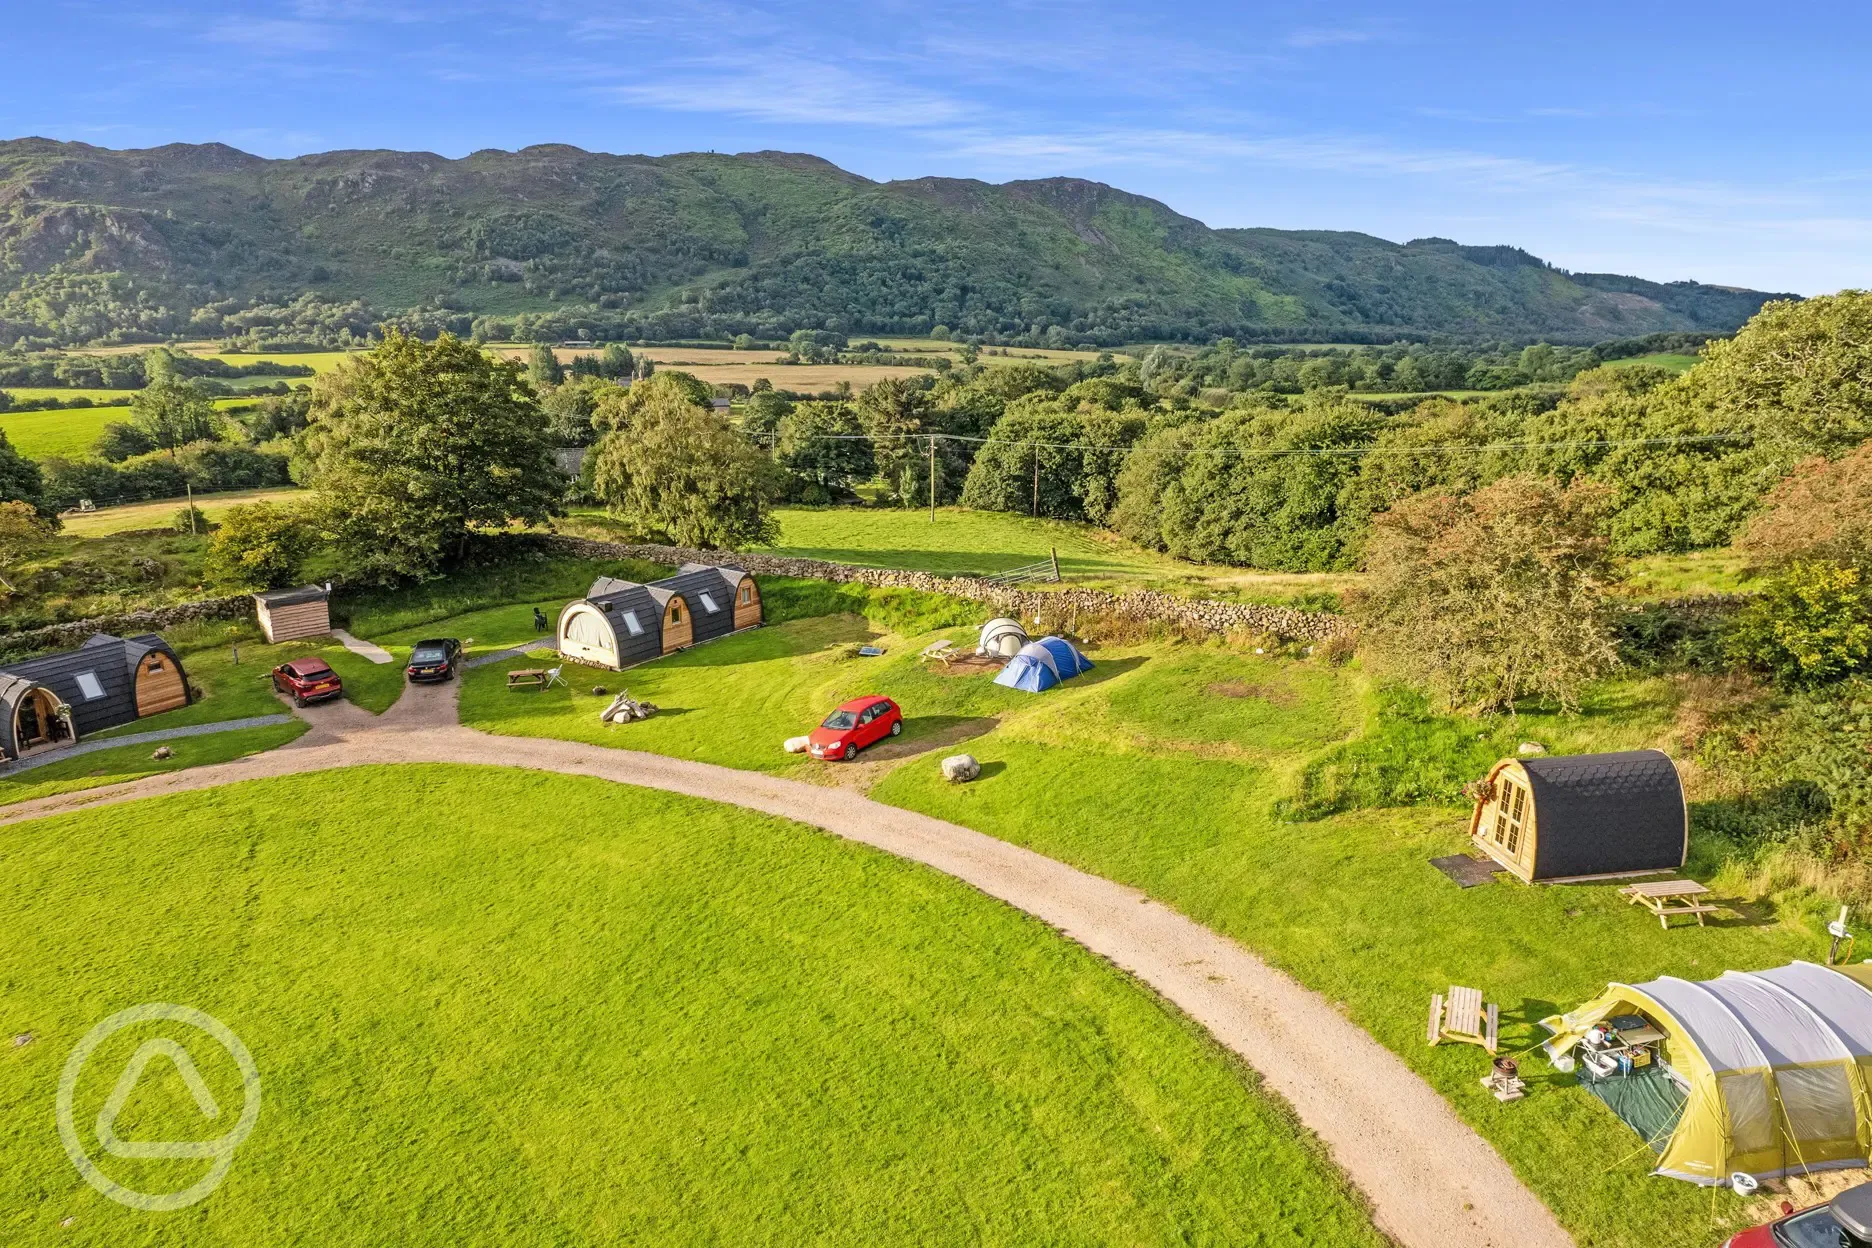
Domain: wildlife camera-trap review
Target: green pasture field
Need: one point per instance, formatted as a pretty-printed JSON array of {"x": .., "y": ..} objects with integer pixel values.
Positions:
[
  {"x": 1171, "y": 768},
  {"x": 103, "y": 398},
  {"x": 510, "y": 1005},
  {"x": 965, "y": 541},
  {"x": 134, "y": 762},
  {"x": 317, "y": 361},
  {"x": 158, "y": 514},
  {"x": 70, "y": 432}
]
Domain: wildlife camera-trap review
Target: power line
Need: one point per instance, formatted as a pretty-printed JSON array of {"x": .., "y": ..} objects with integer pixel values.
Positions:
[{"x": 1272, "y": 452}]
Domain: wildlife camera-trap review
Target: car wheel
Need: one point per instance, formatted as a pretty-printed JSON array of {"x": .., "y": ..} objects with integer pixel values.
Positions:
[
  {"x": 897, "y": 728},
  {"x": 851, "y": 752},
  {"x": 299, "y": 699}
]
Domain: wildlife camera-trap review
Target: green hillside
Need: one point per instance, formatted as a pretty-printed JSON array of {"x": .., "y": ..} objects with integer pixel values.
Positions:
[{"x": 206, "y": 240}]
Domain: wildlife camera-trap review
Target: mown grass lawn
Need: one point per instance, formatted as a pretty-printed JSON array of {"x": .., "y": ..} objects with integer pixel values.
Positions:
[
  {"x": 70, "y": 432},
  {"x": 161, "y": 514},
  {"x": 734, "y": 701},
  {"x": 491, "y": 1006},
  {"x": 134, "y": 762},
  {"x": 1168, "y": 770}
]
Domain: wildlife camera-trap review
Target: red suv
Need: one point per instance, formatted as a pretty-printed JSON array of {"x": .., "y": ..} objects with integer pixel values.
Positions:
[
  {"x": 858, "y": 723},
  {"x": 310, "y": 679}
]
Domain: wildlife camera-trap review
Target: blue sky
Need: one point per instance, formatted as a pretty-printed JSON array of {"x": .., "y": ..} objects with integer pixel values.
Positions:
[{"x": 1720, "y": 142}]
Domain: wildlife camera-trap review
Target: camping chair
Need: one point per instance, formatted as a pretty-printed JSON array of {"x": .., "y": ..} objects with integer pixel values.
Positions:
[
  {"x": 1462, "y": 1016},
  {"x": 553, "y": 677}
]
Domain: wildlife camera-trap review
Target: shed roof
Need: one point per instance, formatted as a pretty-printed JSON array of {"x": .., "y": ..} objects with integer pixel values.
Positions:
[{"x": 292, "y": 597}]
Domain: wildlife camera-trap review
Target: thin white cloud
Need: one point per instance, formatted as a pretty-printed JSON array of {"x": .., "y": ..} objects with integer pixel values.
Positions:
[
  {"x": 276, "y": 36},
  {"x": 1335, "y": 36},
  {"x": 779, "y": 87}
]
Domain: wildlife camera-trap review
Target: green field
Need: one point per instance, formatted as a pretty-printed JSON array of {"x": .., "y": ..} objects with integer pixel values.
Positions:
[
  {"x": 492, "y": 1006},
  {"x": 104, "y": 398},
  {"x": 132, "y": 517},
  {"x": 69, "y": 433},
  {"x": 963, "y": 541},
  {"x": 1167, "y": 769}
]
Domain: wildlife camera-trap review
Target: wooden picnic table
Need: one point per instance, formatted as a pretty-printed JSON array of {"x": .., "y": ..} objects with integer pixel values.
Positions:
[
  {"x": 1666, "y": 898},
  {"x": 1462, "y": 1015},
  {"x": 521, "y": 677}
]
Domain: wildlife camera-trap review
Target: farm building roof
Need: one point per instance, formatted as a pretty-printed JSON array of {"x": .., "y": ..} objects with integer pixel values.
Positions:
[{"x": 291, "y": 597}]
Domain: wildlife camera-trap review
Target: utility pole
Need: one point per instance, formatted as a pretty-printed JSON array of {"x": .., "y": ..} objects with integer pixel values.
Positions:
[
  {"x": 932, "y": 462},
  {"x": 191, "y": 507}
]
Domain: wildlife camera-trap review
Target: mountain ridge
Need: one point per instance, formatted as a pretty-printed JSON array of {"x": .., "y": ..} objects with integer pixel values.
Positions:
[{"x": 102, "y": 243}]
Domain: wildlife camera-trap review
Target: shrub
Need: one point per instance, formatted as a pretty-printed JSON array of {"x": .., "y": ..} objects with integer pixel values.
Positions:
[
  {"x": 258, "y": 546},
  {"x": 1811, "y": 624},
  {"x": 189, "y": 520},
  {"x": 1494, "y": 596}
]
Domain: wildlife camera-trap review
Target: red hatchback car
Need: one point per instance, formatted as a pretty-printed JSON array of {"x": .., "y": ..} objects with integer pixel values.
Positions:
[
  {"x": 1843, "y": 1222},
  {"x": 307, "y": 680},
  {"x": 858, "y": 723}
]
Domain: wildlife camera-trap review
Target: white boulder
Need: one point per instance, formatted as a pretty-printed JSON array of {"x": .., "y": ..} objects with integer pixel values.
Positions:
[
  {"x": 1530, "y": 747},
  {"x": 960, "y": 768}
]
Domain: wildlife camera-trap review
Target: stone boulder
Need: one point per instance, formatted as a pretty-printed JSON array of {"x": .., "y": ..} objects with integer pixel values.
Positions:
[{"x": 960, "y": 768}]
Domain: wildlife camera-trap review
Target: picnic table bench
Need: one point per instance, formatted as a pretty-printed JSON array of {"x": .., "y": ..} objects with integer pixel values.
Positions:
[
  {"x": 522, "y": 677},
  {"x": 1462, "y": 1016},
  {"x": 945, "y": 651},
  {"x": 1666, "y": 898}
]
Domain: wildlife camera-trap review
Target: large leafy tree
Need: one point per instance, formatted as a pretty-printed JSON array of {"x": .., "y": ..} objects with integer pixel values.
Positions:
[
  {"x": 1494, "y": 596},
  {"x": 171, "y": 413},
  {"x": 258, "y": 546},
  {"x": 21, "y": 479},
  {"x": 1799, "y": 373},
  {"x": 413, "y": 446},
  {"x": 672, "y": 468},
  {"x": 824, "y": 448}
]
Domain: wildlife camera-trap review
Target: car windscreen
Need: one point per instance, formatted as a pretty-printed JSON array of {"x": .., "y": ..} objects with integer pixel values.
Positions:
[
  {"x": 428, "y": 655},
  {"x": 312, "y": 668},
  {"x": 1813, "y": 1229},
  {"x": 840, "y": 719}
]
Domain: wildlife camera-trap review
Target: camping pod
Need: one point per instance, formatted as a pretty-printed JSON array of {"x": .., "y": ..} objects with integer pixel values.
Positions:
[
  {"x": 58, "y": 698},
  {"x": 621, "y": 623},
  {"x": 1583, "y": 816},
  {"x": 1763, "y": 1073},
  {"x": 294, "y": 614}
]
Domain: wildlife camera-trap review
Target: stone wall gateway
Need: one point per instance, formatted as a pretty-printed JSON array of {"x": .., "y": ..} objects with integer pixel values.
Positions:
[{"x": 1207, "y": 614}]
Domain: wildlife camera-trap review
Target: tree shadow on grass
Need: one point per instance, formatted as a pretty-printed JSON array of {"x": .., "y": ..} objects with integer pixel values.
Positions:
[{"x": 923, "y": 733}]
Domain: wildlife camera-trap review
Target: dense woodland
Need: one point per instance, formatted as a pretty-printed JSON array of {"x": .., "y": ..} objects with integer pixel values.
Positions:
[{"x": 100, "y": 246}]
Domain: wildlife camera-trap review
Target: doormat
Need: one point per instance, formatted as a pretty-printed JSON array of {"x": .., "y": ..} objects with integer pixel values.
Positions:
[{"x": 1466, "y": 871}]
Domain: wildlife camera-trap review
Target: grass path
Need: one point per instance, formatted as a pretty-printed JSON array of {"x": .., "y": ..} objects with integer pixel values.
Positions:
[
  {"x": 504, "y": 1006},
  {"x": 1431, "y": 1180}
]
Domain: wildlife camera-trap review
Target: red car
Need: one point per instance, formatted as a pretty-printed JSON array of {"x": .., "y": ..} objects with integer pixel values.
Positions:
[
  {"x": 307, "y": 680},
  {"x": 1843, "y": 1222},
  {"x": 860, "y": 722}
]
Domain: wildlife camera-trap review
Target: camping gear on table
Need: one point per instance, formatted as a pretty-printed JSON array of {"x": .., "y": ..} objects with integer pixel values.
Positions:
[
  {"x": 1762, "y": 1073},
  {"x": 624, "y": 709},
  {"x": 1042, "y": 664},
  {"x": 1002, "y": 638}
]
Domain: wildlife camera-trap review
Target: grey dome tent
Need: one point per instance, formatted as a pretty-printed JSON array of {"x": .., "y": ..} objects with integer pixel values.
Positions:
[{"x": 1002, "y": 638}]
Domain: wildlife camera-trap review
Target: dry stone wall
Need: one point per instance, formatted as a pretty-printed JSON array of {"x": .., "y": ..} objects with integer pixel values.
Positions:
[
  {"x": 73, "y": 632},
  {"x": 1202, "y": 613}
]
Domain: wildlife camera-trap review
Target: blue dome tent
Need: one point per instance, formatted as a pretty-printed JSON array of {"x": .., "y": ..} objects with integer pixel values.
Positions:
[{"x": 1042, "y": 664}]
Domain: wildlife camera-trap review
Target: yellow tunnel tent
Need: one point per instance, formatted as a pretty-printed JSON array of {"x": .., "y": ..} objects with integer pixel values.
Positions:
[{"x": 1770, "y": 1068}]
